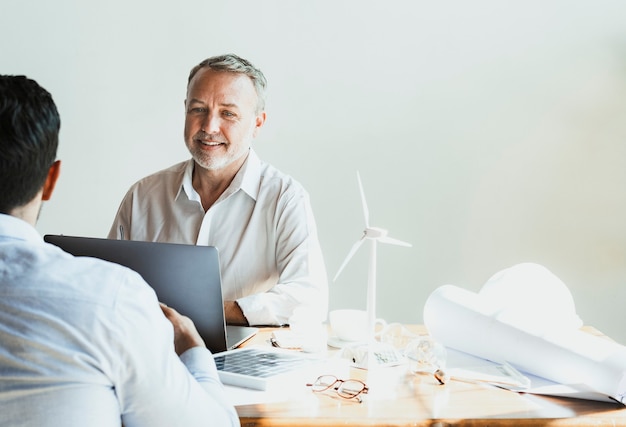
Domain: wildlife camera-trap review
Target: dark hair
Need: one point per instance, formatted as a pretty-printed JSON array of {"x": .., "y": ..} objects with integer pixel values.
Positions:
[
  {"x": 235, "y": 64},
  {"x": 29, "y": 137}
]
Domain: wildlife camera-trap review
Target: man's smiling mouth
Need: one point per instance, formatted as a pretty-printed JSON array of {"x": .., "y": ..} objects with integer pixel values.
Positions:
[{"x": 210, "y": 143}]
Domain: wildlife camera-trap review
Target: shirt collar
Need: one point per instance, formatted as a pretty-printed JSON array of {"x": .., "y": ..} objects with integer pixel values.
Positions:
[
  {"x": 247, "y": 179},
  {"x": 15, "y": 228},
  {"x": 250, "y": 175},
  {"x": 186, "y": 184}
]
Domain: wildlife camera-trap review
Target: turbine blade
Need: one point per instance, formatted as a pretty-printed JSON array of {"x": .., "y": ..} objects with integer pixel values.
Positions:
[
  {"x": 366, "y": 212},
  {"x": 353, "y": 250},
  {"x": 393, "y": 241}
]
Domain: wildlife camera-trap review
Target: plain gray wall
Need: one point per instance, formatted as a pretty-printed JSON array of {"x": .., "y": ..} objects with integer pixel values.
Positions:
[{"x": 487, "y": 133}]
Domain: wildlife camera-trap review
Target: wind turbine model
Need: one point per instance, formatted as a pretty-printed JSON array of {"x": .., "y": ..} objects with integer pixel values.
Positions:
[{"x": 375, "y": 235}]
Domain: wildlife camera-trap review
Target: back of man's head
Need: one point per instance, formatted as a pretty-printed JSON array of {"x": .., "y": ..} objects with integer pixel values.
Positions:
[{"x": 29, "y": 137}]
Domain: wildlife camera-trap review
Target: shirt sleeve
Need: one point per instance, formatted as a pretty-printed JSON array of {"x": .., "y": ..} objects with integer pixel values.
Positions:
[
  {"x": 302, "y": 279},
  {"x": 153, "y": 385},
  {"x": 120, "y": 229}
]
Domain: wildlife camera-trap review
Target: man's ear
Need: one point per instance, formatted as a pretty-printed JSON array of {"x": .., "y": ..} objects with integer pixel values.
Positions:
[
  {"x": 51, "y": 180},
  {"x": 259, "y": 122}
]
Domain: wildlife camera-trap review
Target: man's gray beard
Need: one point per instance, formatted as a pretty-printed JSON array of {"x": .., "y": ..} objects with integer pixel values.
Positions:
[
  {"x": 216, "y": 164},
  {"x": 209, "y": 164}
]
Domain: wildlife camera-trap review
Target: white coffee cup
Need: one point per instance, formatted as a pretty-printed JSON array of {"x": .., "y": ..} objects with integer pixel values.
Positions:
[{"x": 350, "y": 324}]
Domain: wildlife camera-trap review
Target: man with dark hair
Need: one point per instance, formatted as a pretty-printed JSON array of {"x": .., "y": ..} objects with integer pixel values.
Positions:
[
  {"x": 83, "y": 342},
  {"x": 259, "y": 218}
]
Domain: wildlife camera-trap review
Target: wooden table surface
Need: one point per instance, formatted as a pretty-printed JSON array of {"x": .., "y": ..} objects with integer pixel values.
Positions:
[{"x": 398, "y": 397}]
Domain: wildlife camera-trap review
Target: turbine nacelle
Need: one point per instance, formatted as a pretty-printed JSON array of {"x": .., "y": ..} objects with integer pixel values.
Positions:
[{"x": 374, "y": 233}]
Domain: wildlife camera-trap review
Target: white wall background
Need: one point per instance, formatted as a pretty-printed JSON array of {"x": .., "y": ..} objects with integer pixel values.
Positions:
[{"x": 487, "y": 133}]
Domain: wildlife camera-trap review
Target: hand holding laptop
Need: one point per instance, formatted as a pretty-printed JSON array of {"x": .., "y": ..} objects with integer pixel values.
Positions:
[{"x": 186, "y": 335}]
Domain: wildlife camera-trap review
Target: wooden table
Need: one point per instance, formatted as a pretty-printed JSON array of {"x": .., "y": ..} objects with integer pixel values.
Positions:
[{"x": 400, "y": 398}]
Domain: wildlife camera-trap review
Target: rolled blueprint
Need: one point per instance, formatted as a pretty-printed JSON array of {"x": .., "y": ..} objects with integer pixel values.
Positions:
[{"x": 537, "y": 333}]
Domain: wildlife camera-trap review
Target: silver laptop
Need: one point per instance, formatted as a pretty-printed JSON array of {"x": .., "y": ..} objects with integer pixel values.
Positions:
[{"x": 185, "y": 277}]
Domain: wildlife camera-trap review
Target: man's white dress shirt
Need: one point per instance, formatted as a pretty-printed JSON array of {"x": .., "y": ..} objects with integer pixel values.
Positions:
[
  {"x": 262, "y": 226},
  {"x": 83, "y": 342}
]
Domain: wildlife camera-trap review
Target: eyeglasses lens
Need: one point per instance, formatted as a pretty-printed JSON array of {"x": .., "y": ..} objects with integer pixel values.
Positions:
[
  {"x": 324, "y": 382},
  {"x": 350, "y": 388}
]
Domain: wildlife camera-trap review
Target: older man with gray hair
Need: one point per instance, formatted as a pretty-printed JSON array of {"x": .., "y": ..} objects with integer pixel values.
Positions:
[{"x": 259, "y": 218}]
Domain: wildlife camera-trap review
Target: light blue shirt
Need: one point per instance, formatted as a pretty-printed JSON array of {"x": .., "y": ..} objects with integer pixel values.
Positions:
[
  {"x": 263, "y": 226},
  {"x": 83, "y": 342}
]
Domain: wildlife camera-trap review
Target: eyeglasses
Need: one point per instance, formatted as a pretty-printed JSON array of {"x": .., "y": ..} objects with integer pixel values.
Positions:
[{"x": 348, "y": 389}]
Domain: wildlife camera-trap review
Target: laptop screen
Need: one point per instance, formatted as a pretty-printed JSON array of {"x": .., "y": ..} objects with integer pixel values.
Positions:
[{"x": 185, "y": 277}]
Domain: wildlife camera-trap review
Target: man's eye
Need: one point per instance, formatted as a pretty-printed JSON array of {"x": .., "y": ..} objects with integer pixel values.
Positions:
[
  {"x": 228, "y": 114},
  {"x": 197, "y": 110}
]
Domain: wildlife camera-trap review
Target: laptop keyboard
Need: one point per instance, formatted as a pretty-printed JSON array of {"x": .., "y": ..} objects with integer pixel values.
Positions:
[{"x": 258, "y": 363}]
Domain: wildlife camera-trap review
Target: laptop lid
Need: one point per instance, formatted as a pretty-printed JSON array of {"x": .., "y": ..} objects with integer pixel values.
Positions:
[{"x": 185, "y": 277}]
